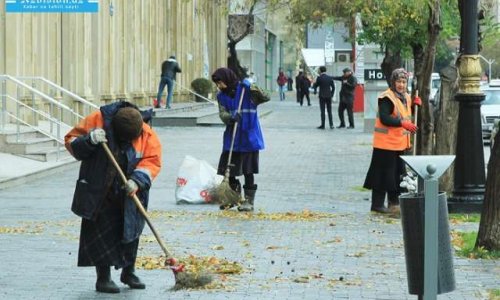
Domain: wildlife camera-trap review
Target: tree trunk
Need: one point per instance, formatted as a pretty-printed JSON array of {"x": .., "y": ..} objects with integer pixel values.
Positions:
[
  {"x": 489, "y": 227},
  {"x": 426, "y": 125},
  {"x": 233, "y": 62},
  {"x": 392, "y": 60},
  {"x": 446, "y": 118}
]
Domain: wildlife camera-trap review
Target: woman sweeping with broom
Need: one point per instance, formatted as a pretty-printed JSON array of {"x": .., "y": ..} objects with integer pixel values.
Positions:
[{"x": 242, "y": 138}]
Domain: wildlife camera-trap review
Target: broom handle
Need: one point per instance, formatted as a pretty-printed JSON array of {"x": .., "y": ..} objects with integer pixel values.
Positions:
[
  {"x": 137, "y": 201},
  {"x": 416, "y": 121},
  {"x": 235, "y": 127}
]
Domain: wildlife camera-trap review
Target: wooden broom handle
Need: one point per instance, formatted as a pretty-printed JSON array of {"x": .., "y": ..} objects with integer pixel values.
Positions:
[{"x": 137, "y": 201}]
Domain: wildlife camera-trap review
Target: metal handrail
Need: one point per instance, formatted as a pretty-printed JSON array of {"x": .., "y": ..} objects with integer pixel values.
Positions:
[
  {"x": 43, "y": 95},
  {"x": 195, "y": 93},
  {"x": 59, "y": 88}
]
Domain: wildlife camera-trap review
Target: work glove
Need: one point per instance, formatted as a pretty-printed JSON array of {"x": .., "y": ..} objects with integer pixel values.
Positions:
[
  {"x": 131, "y": 187},
  {"x": 408, "y": 125},
  {"x": 98, "y": 136},
  {"x": 246, "y": 83},
  {"x": 235, "y": 118},
  {"x": 409, "y": 182},
  {"x": 417, "y": 101}
]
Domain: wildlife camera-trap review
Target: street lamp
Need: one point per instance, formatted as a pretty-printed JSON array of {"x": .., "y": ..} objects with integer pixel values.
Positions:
[{"x": 469, "y": 172}]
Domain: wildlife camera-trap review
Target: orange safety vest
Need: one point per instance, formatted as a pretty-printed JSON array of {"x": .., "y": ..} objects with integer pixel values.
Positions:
[
  {"x": 147, "y": 145},
  {"x": 391, "y": 137}
]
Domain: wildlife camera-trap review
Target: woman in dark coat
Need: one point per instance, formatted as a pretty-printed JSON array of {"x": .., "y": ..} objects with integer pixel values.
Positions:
[{"x": 111, "y": 222}]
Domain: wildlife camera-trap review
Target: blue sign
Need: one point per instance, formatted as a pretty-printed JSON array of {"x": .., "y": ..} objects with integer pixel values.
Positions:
[{"x": 51, "y": 6}]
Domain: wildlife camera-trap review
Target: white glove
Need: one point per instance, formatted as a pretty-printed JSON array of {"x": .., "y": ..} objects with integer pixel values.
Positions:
[
  {"x": 131, "y": 187},
  {"x": 409, "y": 182},
  {"x": 98, "y": 136}
]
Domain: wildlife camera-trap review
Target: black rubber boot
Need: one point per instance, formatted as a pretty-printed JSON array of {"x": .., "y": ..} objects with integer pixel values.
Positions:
[
  {"x": 104, "y": 284},
  {"x": 249, "y": 192},
  {"x": 378, "y": 199},
  {"x": 129, "y": 278},
  {"x": 235, "y": 186}
]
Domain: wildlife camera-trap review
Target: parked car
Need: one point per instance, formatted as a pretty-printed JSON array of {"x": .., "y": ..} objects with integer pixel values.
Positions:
[
  {"x": 490, "y": 108},
  {"x": 435, "y": 84}
]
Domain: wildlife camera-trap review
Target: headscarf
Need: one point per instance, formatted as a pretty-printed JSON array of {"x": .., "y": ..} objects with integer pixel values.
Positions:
[
  {"x": 397, "y": 74},
  {"x": 228, "y": 77}
]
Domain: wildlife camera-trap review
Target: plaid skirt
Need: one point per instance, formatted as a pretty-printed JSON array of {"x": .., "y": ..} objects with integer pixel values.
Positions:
[
  {"x": 101, "y": 239},
  {"x": 242, "y": 163}
]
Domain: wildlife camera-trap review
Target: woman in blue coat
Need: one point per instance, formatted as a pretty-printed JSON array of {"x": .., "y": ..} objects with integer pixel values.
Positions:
[{"x": 248, "y": 140}]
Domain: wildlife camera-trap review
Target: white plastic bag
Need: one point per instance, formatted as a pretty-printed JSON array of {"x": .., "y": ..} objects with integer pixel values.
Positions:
[{"x": 194, "y": 179}]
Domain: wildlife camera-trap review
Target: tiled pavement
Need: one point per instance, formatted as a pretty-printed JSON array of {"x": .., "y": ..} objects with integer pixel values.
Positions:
[{"x": 348, "y": 254}]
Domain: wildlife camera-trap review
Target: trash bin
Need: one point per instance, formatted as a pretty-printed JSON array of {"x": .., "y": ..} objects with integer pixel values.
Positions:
[{"x": 412, "y": 220}]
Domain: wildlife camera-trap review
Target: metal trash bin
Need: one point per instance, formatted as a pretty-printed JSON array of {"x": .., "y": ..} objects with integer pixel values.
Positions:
[{"x": 412, "y": 220}]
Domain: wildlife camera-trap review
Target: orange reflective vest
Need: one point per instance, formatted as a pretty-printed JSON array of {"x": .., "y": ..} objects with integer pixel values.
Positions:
[{"x": 391, "y": 137}]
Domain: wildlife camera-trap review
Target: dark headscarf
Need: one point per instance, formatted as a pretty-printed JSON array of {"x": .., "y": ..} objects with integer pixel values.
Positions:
[
  {"x": 396, "y": 75},
  {"x": 228, "y": 77}
]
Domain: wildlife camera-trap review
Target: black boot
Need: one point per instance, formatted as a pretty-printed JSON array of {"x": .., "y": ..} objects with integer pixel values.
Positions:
[
  {"x": 393, "y": 199},
  {"x": 129, "y": 278},
  {"x": 235, "y": 186},
  {"x": 104, "y": 284},
  {"x": 247, "y": 204},
  {"x": 378, "y": 199}
]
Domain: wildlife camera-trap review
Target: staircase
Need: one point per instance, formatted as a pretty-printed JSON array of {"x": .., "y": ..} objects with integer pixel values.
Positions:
[
  {"x": 34, "y": 118},
  {"x": 188, "y": 114}
]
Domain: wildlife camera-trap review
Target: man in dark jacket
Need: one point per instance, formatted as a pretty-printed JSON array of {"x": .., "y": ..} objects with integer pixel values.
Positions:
[
  {"x": 349, "y": 83},
  {"x": 326, "y": 91},
  {"x": 298, "y": 80},
  {"x": 111, "y": 223},
  {"x": 169, "y": 69}
]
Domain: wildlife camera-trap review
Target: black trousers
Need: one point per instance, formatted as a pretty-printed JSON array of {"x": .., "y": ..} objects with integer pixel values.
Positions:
[
  {"x": 346, "y": 106},
  {"x": 325, "y": 103},
  {"x": 306, "y": 94}
]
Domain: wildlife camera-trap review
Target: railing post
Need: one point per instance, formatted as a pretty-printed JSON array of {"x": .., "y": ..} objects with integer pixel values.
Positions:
[
  {"x": 18, "y": 113},
  {"x": 4, "y": 102},
  {"x": 33, "y": 100}
]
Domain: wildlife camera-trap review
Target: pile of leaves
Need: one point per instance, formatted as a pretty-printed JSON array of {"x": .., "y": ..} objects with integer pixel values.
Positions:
[
  {"x": 197, "y": 265},
  {"x": 305, "y": 215}
]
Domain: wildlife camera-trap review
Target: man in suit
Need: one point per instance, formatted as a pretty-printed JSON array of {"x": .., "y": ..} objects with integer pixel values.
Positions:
[{"x": 326, "y": 91}]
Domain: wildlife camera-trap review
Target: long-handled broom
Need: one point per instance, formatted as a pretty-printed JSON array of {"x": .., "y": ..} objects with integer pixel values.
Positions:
[
  {"x": 223, "y": 193},
  {"x": 183, "y": 279}
]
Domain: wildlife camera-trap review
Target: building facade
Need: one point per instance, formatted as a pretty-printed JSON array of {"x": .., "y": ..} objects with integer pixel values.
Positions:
[{"x": 117, "y": 52}]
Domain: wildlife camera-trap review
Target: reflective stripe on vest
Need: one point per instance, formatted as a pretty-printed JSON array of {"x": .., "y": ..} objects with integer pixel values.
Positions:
[{"x": 390, "y": 137}]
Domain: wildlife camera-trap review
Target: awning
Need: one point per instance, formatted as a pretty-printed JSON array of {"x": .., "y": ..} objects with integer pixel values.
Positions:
[{"x": 313, "y": 57}]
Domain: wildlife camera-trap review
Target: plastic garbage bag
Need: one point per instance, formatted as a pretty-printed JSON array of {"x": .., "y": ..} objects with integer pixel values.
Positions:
[{"x": 194, "y": 180}]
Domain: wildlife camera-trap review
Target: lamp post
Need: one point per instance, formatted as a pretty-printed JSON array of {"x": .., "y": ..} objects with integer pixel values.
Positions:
[{"x": 469, "y": 172}]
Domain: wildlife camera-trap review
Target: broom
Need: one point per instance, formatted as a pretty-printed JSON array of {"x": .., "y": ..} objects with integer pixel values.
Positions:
[
  {"x": 223, "y": 193},
  {"x": 182, "y": 278}
]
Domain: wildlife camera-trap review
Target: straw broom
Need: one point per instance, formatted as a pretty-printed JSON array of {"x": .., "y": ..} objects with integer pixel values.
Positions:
[
  {"x": 183, "y": 279},
  {"x": 223, "y": 193}
]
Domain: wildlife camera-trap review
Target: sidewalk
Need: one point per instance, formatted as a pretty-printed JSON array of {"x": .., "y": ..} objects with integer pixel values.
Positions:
[{"x": 337, "y": 250}]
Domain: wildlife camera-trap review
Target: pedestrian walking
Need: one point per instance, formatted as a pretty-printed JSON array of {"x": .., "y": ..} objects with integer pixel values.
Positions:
[
  {"x": 248, "y": 140},
  {"x": 305, "y": 84},
  {"x": 298, "y": 79},
  {"x": 111, "y": 224},
  {"x": 169, "y": 70},
  {"x": 281, "y": 80},
  {"x": 391, "y": 138},
  {"x": 346, "y": 94},
  {"x": 326, "y": 91}
]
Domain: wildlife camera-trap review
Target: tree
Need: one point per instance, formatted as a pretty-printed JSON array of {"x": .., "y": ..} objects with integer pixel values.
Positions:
[{"x": 488, "y": 236}]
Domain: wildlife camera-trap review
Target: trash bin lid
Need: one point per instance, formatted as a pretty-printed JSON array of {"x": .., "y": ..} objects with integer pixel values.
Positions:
[{"x": 428, "y": 165}]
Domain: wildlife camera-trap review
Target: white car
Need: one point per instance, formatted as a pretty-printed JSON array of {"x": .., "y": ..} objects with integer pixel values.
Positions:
[{"x": 490, "y": 108}]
